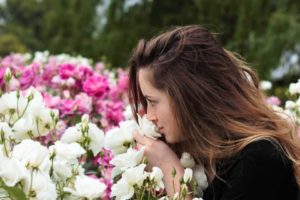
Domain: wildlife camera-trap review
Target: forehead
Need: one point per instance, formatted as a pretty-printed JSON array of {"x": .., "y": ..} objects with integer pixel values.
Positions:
[{"x": 144, "y": 77}]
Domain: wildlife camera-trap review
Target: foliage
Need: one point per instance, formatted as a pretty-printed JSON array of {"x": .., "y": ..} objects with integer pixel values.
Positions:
[{"x": 260, "y": 30}]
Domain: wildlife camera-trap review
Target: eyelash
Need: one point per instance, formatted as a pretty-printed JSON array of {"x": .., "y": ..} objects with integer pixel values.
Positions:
[{"x": 152, "y": 103}]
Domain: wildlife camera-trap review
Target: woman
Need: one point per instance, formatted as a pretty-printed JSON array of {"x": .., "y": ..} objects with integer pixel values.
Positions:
[{"x": 204, "y": 100}]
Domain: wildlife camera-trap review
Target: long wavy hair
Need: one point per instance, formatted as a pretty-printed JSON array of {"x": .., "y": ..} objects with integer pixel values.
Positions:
[{"x": 219, "y": 106}]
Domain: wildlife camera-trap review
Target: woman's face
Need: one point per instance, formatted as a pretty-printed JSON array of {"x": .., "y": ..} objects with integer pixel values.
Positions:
[{"x": 159, "y": 109}]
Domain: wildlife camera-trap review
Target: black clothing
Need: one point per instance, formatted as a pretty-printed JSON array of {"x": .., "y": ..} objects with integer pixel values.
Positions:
[{"x": 260, "y": 172}]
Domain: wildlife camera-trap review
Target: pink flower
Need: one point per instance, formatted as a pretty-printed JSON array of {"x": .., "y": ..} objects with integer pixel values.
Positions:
[
  {"x": 119, "y": 91},
  {"x": 111, "y": 111},
  {"x": 67, "y": 107},
  {"x": 273, "y": 100},
  {"x": 50, "y": 71},
  {"x": 96, "y": 85},
  {"x": 83, "y": 72},
  {"x": 2, "y": 73},
  {"x": 66, "y": 71},
  {"x": 29, "y": 76},
  {"x": 84, "y": 103},
  {"x": 51, "y": 101}
]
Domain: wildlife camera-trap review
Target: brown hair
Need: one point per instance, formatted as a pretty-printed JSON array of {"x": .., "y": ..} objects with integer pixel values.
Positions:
[{"x": 219, "y": 105}]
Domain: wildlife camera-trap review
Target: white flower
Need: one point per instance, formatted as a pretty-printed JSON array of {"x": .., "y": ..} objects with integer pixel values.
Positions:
[
  {"x": 11, "y": 171},
  {"x": 42, "y": 185},
  {"x": 6, "y": 130},
  {"x": 135, "y": 175},
  {"x": 129, "y": 159},
  {"x": 187, "y": 160},
  {"x": 117, "y": 139},
  {"x": 72, "y": 134},
  {"x": 97, "y": 138},
  {"x": 68, "y": 152},
  {"x": 298, "y": 102},
  {"x": 31, "y": 154},
  {"x": 201, "y": 178},
  {"x": 9, "y": 102},
  {"x": 147, "y": 128},
  {"x": 128, "y": 113},
  {"x": 25, "y": 128},
  {"x": 294, "y": 88},
  {"x": 265, "y": 85},
  {"x": 290, "y": 105},
  {"x": 62, "y": 169},
  {"x": 37, "y": 104},
  {"x": 87, "y": 187},
  {"x": 122, "y": 190},
  {"x": 188, "y": 175},
  {"x": 157, "y": 176}
]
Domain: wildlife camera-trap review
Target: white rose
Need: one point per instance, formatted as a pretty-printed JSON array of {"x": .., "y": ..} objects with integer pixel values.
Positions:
[
  {"x": 129, "y": 159},
  {"x": 147, "y": 128},
  {"x": 294, "y": 88},
  {"x": 67, "y": 151},
  {"x": 72, "y": 134},
  {"x": 157, "y": 176},
  {"x": 187, "y": 160},
  {"x": 8, "y": 101},
  {"x": 290, "y": 105},
  {"x": 42, "y": 185},
  {"x": 128, "y": 113},
  {"x": 97, "y": 138},
  {"x": 122, "y": 190},
  {"x": 62, "y": 169},
  {"x": 201, "y": 178},
  {"x": 24, "y": 128},
  {"x": 11, "y": 171},
  {"x": 87, "y": 187},
  {"x": 265, "y": 85},
  {"x": 188, "y": 175},
  {"x": 117, "y": 138},
  {"x": 135, "y": 175},
  {"x": 31, "y": 154},
  {"x": 6, "y": 130},
  {"x": 114, "y": 141}
]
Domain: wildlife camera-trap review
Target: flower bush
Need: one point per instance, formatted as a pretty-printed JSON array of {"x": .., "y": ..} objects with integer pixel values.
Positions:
[{"x": 66, "y": 133}]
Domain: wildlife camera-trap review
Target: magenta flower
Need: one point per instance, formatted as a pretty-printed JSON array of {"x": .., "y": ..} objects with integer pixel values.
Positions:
[
  {"x": 66, "y": 71},
  {"x": 51, "y": 101},
  {"x": 273, "y": 100},
  {"x": 84, "y": 103},
  {"x": 96, "y": 85},
  {"x": 111, "y": 111},
  {"x": 29, "y": 76},
  {"x": 67, "y": 107},
  {"x": 83, "y": 72},
  {"x": 2, "y": 73}
]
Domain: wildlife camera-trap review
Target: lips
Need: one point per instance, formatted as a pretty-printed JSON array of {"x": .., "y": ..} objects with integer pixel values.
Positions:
[{"x": 159, "y": 129}]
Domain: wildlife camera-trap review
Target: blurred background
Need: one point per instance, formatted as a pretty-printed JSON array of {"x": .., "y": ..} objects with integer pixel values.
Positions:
[{"x": 265, "y": 32}]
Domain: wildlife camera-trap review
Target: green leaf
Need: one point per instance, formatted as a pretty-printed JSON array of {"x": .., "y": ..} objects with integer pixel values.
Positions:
[{"x": 14, "y": 193}]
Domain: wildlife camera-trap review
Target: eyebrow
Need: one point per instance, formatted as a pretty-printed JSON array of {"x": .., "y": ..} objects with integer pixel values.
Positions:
[{"x": 147, "y": 96}]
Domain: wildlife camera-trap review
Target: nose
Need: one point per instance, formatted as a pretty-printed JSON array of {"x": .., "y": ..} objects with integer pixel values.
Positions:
[{"x": 151, "y": 117}]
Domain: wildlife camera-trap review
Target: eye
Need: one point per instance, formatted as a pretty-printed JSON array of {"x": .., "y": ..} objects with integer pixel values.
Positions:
[{"x": 151, "y": 102}]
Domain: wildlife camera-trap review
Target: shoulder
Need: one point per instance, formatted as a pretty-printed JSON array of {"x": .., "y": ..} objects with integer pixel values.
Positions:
[
  {"x": 263, "y": 151},
  {"x": 260, "y": 171},
  {"x": 262, "y": 159}
]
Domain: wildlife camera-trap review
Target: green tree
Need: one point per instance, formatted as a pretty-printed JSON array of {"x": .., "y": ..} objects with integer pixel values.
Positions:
[{"x": 260, "y": 30}]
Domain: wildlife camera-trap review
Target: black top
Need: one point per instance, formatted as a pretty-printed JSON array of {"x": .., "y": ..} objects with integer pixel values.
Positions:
[{"x": 260, "y": 172}]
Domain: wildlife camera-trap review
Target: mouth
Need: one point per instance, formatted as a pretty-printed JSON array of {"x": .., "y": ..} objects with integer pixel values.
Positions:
[{"x": 159, "y": 129}]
